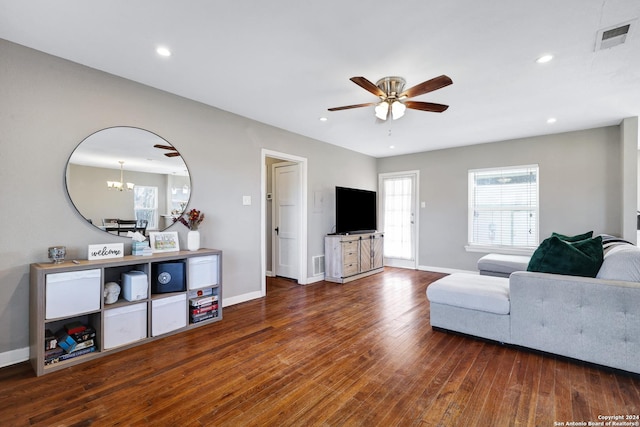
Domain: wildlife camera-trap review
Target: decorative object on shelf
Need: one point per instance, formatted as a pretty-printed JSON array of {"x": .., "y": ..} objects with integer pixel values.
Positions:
[
  {"x": 139, "y": 244},
  {"x": 193, "y": 240},
  {"x": 105, "y": 251},
  {"x": 120, "y": 186},
  {"x": 111, "y": 292},
  {"x": 192, "y": 221},
  {"x": 164, "y": 242},
  {"x": 57, "y": 254}
]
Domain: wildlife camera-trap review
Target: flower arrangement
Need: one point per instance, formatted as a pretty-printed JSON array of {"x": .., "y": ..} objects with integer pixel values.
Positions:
[{"x": 193, "y": 219}]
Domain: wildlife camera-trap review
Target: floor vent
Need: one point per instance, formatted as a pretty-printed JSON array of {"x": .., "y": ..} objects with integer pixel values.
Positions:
[
  {"x": 318, "y": 265},
  {"x": 613, "y": 36}
]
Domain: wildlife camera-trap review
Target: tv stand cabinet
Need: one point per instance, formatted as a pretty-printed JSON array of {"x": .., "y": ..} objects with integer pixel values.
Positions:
[
  {"x": 352, "y": 256},
  {"x": 70, "y": 293}
]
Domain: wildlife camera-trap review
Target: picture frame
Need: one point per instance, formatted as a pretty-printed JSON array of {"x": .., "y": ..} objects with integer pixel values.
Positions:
[{"x": 166, "y": 241}]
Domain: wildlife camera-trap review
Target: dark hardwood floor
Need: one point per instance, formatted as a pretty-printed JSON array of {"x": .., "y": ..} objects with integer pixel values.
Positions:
[{"x": 362, "y": 353}]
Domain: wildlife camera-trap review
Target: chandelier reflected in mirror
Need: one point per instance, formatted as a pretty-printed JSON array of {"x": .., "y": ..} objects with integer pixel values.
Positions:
[{"x": 120, "y": 186}]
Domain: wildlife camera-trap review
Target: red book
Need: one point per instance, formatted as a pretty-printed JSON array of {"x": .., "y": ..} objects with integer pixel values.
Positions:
[{"x": 74, "y": 327}]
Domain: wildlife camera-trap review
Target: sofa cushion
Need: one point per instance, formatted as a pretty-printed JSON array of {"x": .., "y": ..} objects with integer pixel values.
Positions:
[
  {"x": 472, "y": 291},
  {"x": 580, "y": 258},
  {"x": 621, "y": 263},
  {"x": 576, "y": 238},
  {"x": 502, "y": 265}
]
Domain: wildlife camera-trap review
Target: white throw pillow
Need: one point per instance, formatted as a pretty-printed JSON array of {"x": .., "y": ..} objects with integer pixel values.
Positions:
[{"x": 621, "y": 263}]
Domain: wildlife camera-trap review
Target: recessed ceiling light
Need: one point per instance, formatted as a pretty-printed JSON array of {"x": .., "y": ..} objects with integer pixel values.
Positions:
[
  {"x": 544, "y": 59},
  {"x": 163, "y": 51},
  {"x": 392, "y": 146},
  {"x": 551, "y": 120},
  {"x": 323, "y": 119}
]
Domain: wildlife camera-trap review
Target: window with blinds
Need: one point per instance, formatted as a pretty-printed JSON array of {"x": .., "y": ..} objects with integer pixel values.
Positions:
[{"x": 503, "y": 207}]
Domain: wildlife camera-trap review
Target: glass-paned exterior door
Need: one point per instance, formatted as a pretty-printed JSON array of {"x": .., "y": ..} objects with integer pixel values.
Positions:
[{"x": 399, "y": 218}]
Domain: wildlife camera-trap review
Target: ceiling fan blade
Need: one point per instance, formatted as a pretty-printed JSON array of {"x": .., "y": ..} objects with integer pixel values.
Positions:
[
  {"x": 426, "y": 106},
  {"x": 428, "y": 86},
  {"x": 174, "y": 154},
  {"x": 165, "y": 147},
  {"x": 346, "y": 107},
  {"x": 367, "y": 85}
]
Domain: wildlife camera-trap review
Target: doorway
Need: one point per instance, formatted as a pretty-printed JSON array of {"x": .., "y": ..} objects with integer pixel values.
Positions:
[
  {"x": 398, "y": 214},
  {"x": 292, "y": 240}
]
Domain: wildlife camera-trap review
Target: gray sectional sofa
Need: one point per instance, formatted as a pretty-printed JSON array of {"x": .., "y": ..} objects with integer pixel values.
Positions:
[{"x": 596, "y": 320}]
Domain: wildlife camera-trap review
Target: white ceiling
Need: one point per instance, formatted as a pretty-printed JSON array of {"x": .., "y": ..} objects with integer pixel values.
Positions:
[{"x": 284, "y": 62}]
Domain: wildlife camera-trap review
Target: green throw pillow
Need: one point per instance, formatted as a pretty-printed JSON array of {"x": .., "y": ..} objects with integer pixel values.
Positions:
[
  {"x": 581, "y": 258},
  {"x": 576, "y": 238}
]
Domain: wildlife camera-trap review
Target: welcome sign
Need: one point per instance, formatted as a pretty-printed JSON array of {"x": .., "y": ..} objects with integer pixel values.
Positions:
[{"x": 105, "y": 251}]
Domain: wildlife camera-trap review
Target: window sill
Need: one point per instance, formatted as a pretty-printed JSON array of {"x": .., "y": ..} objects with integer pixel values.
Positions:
[{"x": 505, "y": 250}]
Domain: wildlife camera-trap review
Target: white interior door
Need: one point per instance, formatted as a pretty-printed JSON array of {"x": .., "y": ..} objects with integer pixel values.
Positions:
[
  {"x": 286, "y": 217},
  {"x": 399, "y": 198}
]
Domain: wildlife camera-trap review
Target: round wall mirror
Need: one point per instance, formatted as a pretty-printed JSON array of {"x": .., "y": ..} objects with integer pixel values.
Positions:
[{"x": 124, "y": 179}]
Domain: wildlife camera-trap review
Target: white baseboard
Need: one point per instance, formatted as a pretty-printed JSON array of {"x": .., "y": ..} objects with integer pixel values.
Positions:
[
  {"x": 445, "y": 270},
  {"x": 12, "y": 357},
  {"x": 270, "y": 274},
  {"x": 315, "y": 279},
  {"x": 241, "y": 298}
]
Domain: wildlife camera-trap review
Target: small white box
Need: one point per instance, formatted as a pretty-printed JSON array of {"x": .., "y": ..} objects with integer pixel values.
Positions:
[
  {"x": 168, "y": 314},
  {"x": 124, "y": 325},
  {"x": 134, "y": 285},
  {"x": 202, "y": 271},
  {"x": 73, "y": 292}
]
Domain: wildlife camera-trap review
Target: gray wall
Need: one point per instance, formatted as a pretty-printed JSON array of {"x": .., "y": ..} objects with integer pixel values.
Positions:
[
  {"x": 579, "y": 186},
  {"x": 48, "y": 105}
]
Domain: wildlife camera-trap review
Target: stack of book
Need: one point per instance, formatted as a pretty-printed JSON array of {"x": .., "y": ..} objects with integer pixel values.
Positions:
[
  {"x": 203, "y": 308},
  {"x": 73, "y": 340}
]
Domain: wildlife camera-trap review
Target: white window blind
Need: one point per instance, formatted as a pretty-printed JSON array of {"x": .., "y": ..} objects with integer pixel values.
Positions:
[
  {"x": 503, "y": 207},
  {"x": 146, "y": 205}
]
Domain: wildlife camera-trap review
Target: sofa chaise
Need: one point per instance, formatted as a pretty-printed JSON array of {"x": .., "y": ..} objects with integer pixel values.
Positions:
[{"x": 592, "y": 319}]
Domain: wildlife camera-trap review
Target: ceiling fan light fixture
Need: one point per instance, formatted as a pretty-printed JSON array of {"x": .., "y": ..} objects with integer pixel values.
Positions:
[
  {"x": 397, "y": 110},
  {"x": 382, "y": 110}
]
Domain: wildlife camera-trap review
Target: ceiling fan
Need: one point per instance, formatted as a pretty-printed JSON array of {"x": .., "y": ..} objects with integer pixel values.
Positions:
[
  {"x": 393, "y": 99},
  {"x": 172, "y": 151}
]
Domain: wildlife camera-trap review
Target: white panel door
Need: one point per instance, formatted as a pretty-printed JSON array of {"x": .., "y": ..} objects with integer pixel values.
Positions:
[{"x": 286, "y": 219}]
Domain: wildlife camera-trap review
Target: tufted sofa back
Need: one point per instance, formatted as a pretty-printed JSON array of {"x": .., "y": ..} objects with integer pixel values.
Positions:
[{"x": 589, "y": 319}]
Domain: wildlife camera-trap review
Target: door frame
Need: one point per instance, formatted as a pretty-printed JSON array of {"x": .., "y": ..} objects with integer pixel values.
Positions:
[
  {"x": 302, "y": 241},
  {"x": 416, "y": 216}
]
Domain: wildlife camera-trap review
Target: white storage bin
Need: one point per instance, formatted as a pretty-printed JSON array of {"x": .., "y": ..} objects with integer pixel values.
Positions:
[
  {"x": 124, "y": 325},
  {"x": 168, "y": 314},
  {"x": 72, "y": 293},
  {"x": 203, "y": 271}
]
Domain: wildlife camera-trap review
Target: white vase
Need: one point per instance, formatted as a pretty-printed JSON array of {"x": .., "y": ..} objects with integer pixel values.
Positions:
[{"x": 193, "y": 240}]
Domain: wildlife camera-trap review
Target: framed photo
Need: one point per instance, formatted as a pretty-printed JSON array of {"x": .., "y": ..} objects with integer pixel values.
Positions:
[{"x": 164, "y": 241}]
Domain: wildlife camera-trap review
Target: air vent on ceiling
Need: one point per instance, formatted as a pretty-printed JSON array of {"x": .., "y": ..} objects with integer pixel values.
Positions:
[{"x": 613, "y": 36}]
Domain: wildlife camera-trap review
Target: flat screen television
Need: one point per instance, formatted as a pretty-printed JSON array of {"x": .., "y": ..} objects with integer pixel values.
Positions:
[{"x": 355, "y": 211}]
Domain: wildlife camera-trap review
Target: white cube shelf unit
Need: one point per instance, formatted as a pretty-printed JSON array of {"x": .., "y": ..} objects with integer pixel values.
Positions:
[{"x": 69, "y": 293}]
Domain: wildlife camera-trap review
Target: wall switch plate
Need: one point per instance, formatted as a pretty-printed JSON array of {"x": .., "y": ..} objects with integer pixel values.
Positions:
[
  {"x": 246, "y": 200},
  {"x": 423, "y": 204}
]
